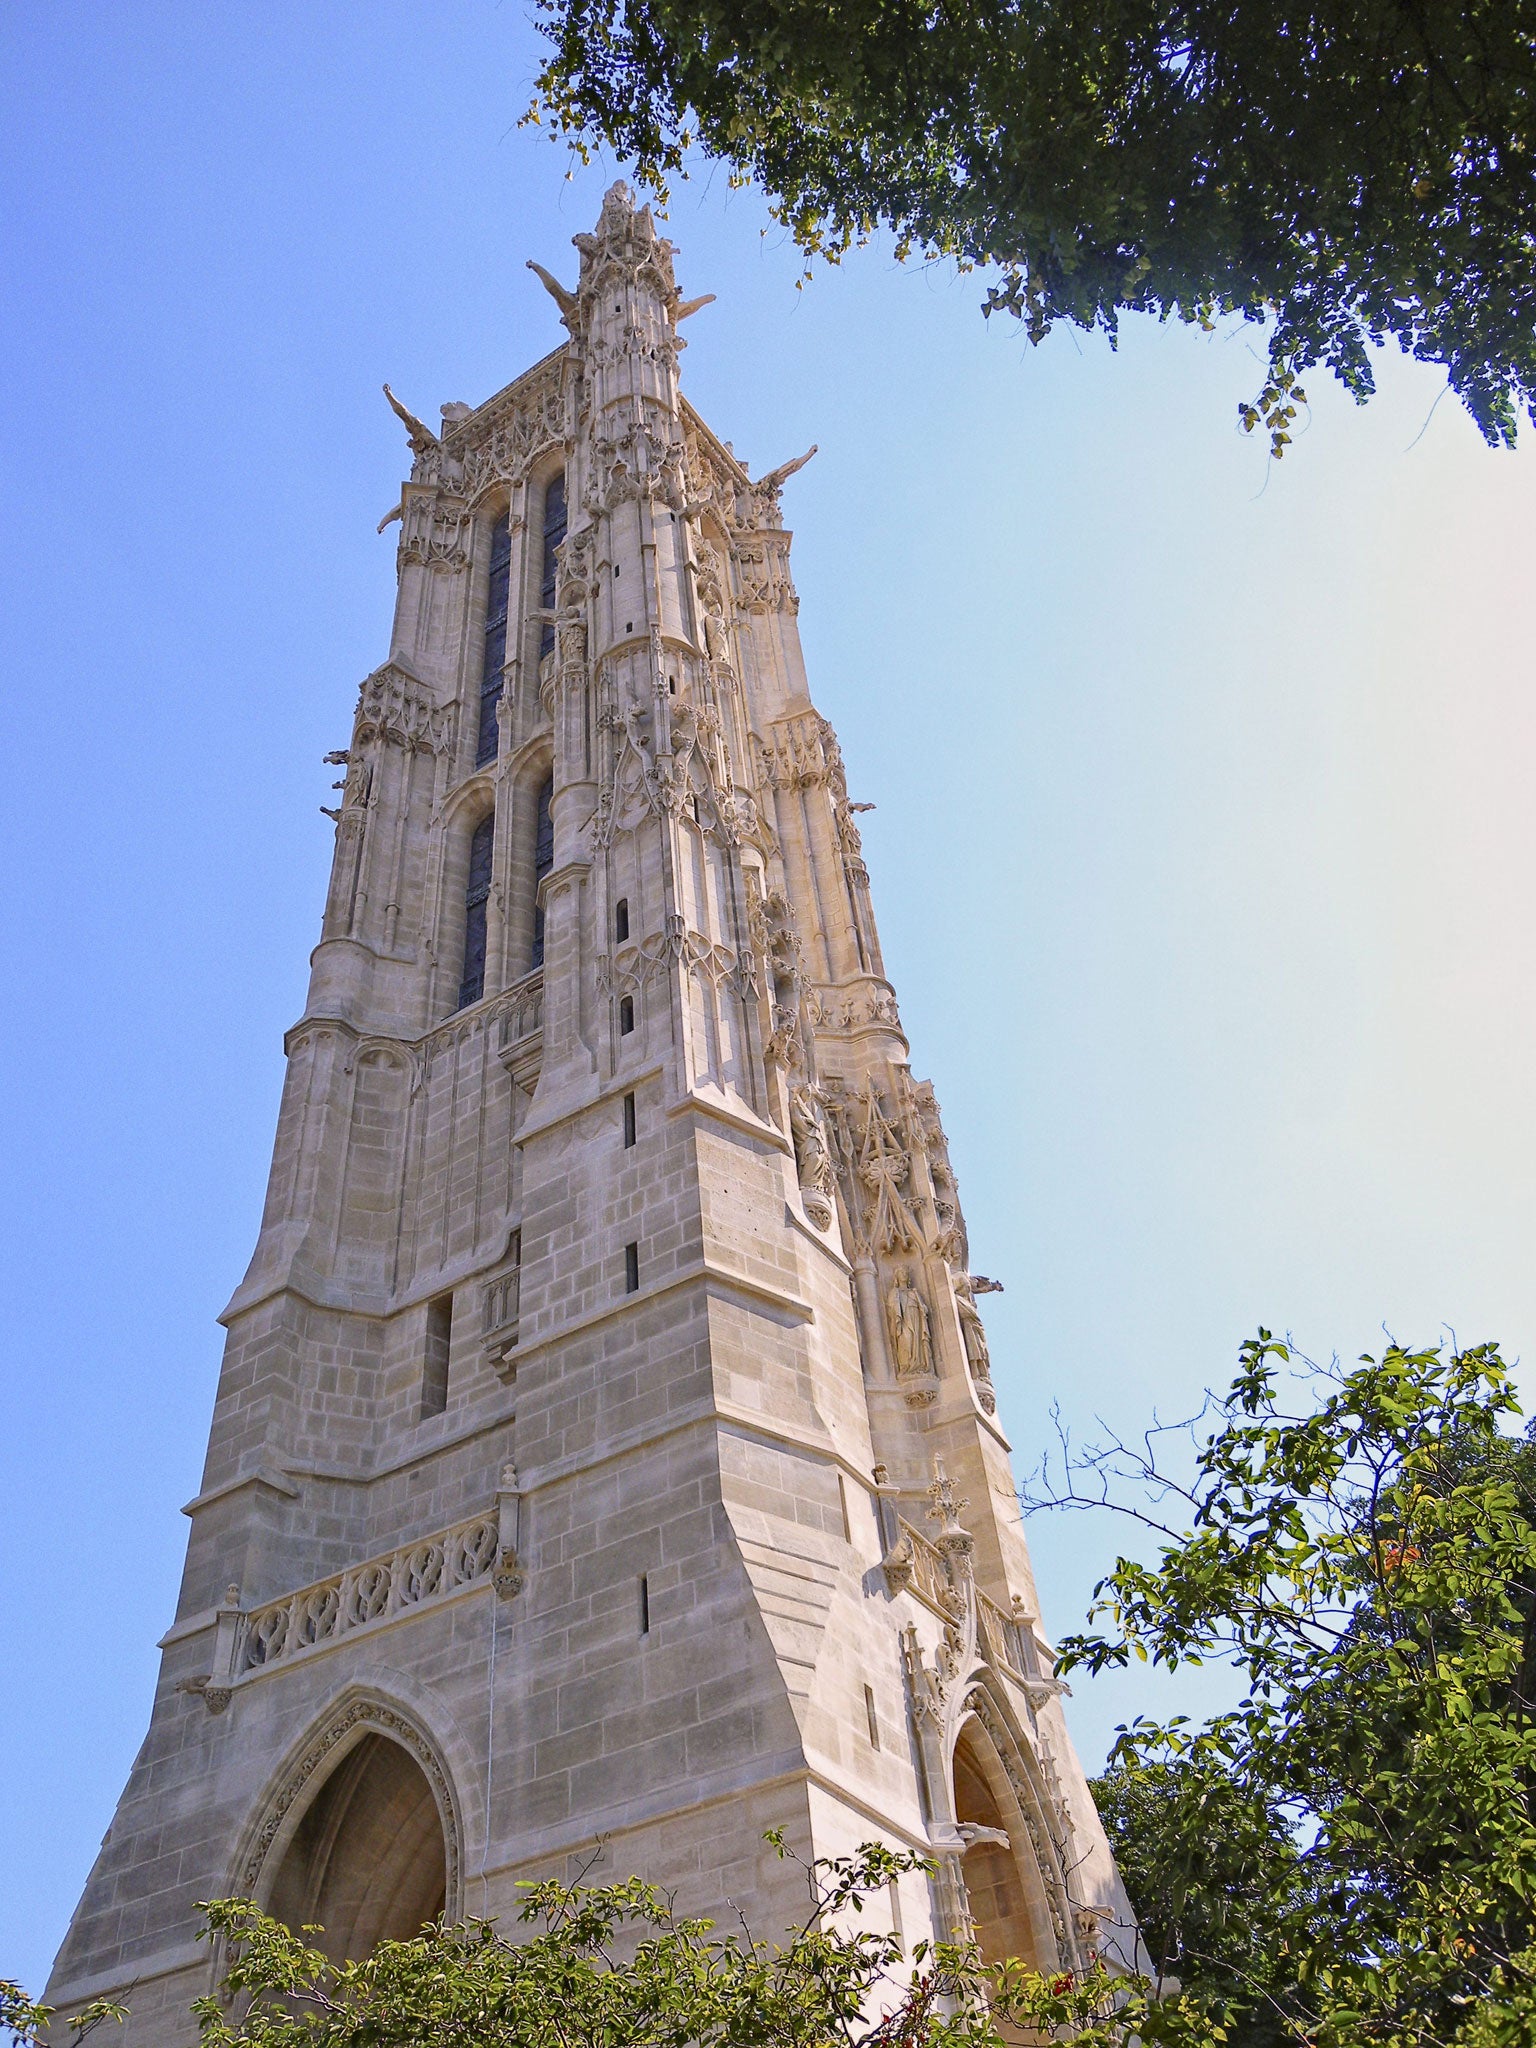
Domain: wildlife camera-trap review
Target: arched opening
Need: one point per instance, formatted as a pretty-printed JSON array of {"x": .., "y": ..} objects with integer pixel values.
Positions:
[
  {"x": 493, "y": 662},
  {"x": 554, "y": 534},
  {"x": 367, "y": 1862},
  {"x": 477, "y": 890},
  {"x": 999, "y": 1907},
  {"x": 543, "y": 861}
]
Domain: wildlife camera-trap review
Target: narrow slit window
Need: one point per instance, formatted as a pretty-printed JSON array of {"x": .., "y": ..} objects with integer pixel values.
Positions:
[
  {"x": 543, "y": 861},
  {"x": 621, "y": 920},
  {"x": 626, "y": 1015},
  {"x": 554, "y": 533},
  {"x": 495, "y": 655},
  {"x": 476, "y": 890},
  {"x": 631, "y": 1268},
  {"x": 434, "y": 1360},
  {"x": 871, "y": 1717},
  {"x": 629, "y": 1121},
  {"x": 645, "y": 1605}
]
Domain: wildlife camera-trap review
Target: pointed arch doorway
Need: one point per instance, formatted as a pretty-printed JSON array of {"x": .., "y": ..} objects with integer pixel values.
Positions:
[
  {"x": 1007, "y": 1922},
  {"x": 368, "y": 1861}
]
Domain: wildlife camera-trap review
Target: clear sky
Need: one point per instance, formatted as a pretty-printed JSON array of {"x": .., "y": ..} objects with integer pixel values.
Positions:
[{"x": 1204, "y": 842}]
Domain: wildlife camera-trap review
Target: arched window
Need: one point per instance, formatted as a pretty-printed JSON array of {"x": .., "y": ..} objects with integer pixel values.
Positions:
[
  {"x": 368, "y": 1862},
  {"x": 476, "y": 890},
  {"x": 543, "y": 861},
  {"x": 495, "y": 639},
  {"x": 554, "y": 533}
]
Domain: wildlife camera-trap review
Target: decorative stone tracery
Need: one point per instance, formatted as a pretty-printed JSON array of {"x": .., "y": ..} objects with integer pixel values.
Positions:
[{"x": 350, "y": 1724}]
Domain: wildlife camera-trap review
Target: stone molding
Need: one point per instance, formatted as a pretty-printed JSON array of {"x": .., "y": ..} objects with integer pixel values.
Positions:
[{"x": 346, "y": 1726}]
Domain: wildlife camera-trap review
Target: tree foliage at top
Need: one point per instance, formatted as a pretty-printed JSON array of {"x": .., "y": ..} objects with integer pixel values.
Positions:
[
  {"x": 1349, "y": 170},
  {"x": 1346, "y": 1859}
]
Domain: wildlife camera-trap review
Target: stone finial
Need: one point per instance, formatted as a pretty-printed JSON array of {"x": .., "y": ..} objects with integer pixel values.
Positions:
[{"x": 946, "y": 1503}]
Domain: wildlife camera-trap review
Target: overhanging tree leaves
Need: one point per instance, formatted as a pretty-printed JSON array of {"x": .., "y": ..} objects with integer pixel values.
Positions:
[
  {"x": 613, "y": 1966},
  {"x": 1366, "y": 1557},
  {"x": 1352, "y": 171},
  {"x": 24, "y": 2023}
]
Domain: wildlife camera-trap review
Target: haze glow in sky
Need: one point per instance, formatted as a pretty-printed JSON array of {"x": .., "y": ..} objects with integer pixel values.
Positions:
[{"x": 1204, "y": 844}]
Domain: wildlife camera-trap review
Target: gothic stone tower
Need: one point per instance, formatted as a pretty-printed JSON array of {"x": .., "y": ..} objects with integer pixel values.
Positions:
[{"x": 605, "y": 1444}]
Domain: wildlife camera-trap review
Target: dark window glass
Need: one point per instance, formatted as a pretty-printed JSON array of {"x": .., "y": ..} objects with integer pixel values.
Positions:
[
  {"x": 495, "y": 640},
  {"x": 434, "y": 1364},
  {"x": 554, "y": 533},
  {"x": 621, "y": 919},
  {"x": 626, "y": 1015},
  {"x": 631, "y": 1268},
  {"x": 543, "y": 861},
  {"x": 476, "y": 890},
  {"x": 645, "y": 1604},
  {"x": 629, "y": 1121}
]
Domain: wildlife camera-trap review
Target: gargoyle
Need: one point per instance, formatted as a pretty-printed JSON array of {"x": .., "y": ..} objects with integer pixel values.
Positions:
[
  {"x": 420, "y": 436},
  {"x": 565, "y": 300},
  {"x": 785, "y": 470}
]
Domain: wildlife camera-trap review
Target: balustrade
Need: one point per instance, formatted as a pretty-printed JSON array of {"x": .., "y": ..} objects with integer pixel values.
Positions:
[{"x": 384, "y": 1586}]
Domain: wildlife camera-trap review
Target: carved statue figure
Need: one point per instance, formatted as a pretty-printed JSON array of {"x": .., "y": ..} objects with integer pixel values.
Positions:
[
  {"x": 811, "y": 1154},
  {"x": 906, "y": 1313},
  {"x": 972, "y": 1331}
]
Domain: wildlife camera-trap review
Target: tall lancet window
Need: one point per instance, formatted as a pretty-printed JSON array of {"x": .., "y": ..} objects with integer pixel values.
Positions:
[
  {"x": 495, "y": 639},
  {"x": 543, "y": 861},
  {"x": 554, "y": 533},
  {"x": 476, "y": 890}
]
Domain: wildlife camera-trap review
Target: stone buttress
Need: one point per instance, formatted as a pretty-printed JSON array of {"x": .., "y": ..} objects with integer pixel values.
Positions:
[{"x": 605, "y": 1448}]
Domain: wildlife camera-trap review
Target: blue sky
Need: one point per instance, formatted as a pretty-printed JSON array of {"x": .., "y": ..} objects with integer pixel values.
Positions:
[{"x": 1204, "y": 841}]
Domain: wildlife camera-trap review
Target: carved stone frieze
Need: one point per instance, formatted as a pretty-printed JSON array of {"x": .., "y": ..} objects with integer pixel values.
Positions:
[
  {"x": 499, "y": 443},
  {"x": 435, "y": 530},
  {"x": 394, "y": 705},
  {"x": 802, "y": 753},
  {"x": 884, "y": 1171},
  {"x": 375, "y": 1591},
  {"x": 632, "y": 967},
  {"x": 763, "y": 565}
]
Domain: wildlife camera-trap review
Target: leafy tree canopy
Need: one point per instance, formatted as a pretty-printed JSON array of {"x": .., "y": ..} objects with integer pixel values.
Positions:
[
  {"x": 614, "y": 1966},
  {"x": 1349, "y": 170},
  {"x": 1347, "y": 1858},
  {"x": 26, "y": 2024}
]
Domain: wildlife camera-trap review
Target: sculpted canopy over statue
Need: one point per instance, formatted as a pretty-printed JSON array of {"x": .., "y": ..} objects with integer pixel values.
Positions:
[{"x": 911, "y": 1339}]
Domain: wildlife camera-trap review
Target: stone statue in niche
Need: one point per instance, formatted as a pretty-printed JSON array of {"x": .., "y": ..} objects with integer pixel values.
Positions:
[
  {"x": 906, "y": 1313},
  {"x": 813, "y": 1161},
  {"x": 716, "y": 643},
  {"x": 974, "y": 1336}
]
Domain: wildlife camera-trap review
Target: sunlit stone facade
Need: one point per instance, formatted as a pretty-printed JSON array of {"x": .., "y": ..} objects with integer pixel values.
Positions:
[{"x": 605, "y": 1446}]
